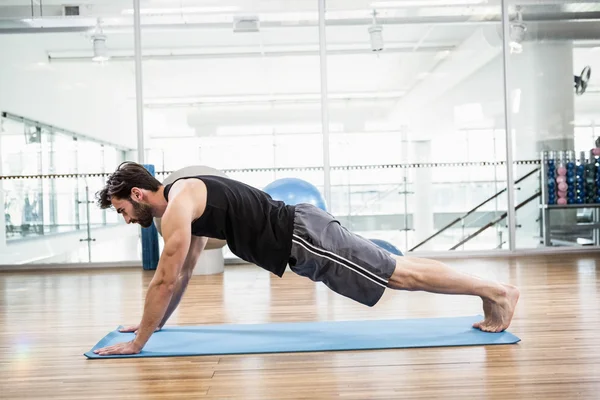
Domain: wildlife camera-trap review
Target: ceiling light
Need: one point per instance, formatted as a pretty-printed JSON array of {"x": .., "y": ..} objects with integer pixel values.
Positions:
[
  {"x": 375, "y": 34},
  {"x": 517, "y": 33},
  {"x": 246, "y": 23},
  {"x": 99, "y": 44},
  {"x": 440, "y": 55},
  {"x": 100, "y": 50},
  {"x": 424, "y": 3},
  {"x": 515, "y": 47},
  {"x": 376, "y": 37},
  {"x": 273, "y": 98}
]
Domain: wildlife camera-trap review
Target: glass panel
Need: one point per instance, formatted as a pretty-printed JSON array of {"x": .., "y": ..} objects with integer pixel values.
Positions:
[
  {"x": 235, "y": 96},
  {"x": 417, "y": 90},
  {"x": 21, "y": 155},
  {"x": 554, "y": 106},
  {"x": 416, "y": 109},
  {"x": 45, "y": 213},
  {"x": 71, "y": 111}
]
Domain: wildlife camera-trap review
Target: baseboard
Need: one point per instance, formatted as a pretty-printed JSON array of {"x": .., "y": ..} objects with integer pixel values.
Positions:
[
  {"x": 69, "y": 266},
  {"x": 439, "y": 255}
]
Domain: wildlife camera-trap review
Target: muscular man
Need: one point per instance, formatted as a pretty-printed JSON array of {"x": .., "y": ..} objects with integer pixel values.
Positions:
[{"x": 272, "y": 235}]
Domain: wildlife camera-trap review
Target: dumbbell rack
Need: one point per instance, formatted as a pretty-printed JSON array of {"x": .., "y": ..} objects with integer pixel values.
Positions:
[{"x": 582, "y": 180}]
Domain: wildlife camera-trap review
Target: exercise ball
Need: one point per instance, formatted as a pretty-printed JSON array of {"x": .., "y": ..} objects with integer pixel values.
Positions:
[
  {"x": 193, "y": 171},
  {"x": 387, "y": 246},
  {"x": 294, "y": 191}
]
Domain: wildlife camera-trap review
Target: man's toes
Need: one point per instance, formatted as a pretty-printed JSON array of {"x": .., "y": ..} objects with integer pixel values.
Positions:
[
  {"x": 493, "y": 328},
  {"x": 483, "y": 325}
]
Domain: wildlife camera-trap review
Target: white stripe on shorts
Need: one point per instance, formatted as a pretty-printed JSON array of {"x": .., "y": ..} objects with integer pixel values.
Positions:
[{"x": 341, "y": 260}]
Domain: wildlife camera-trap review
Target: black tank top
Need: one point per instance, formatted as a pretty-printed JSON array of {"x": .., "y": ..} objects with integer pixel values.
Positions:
[{"x": 257, "y": 228}]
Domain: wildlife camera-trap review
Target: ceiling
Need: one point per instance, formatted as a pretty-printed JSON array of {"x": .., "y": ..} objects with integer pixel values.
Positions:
[{"x": 21, "y": 15}]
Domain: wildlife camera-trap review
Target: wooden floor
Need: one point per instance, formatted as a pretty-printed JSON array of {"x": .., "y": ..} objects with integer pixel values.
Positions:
[{"x": 48, "y": 319}]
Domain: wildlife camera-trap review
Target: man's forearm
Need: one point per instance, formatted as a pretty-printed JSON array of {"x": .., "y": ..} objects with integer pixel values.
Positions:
[
  {"x": 164, "y": 293},
  {"x": 182, "y": 283},
  {"x": 196, "y": 248},
  {"x": 158, "y": 297}
]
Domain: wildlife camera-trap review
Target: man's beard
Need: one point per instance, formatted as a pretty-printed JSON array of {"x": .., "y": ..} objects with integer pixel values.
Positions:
[{"x": 143, "y": 214}]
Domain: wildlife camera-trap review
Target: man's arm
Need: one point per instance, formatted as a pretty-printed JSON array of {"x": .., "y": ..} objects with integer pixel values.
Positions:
[
  {"x": 196, "y": 246},
  {"x": 177, "y": 235}
]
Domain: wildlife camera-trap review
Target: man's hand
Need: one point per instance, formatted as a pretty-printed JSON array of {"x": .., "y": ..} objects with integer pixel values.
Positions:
[{"x": 120, "y": 348}]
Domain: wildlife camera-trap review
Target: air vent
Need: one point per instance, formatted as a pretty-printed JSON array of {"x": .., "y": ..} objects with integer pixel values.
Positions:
[
  {"x": 247, "y": 23},
  {"x": 71, "y": 11}
]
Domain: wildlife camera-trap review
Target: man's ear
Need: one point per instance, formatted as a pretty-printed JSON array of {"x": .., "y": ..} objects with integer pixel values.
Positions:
[{"x": 137, "y": 194}]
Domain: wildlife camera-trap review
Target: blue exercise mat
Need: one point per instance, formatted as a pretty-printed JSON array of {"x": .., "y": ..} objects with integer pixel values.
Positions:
[{"x": 309, "y": 336}]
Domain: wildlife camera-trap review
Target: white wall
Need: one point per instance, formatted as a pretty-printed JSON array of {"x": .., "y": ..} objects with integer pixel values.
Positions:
[
  {"x": 484, "y": 89},
  {"x": 99, "y": 100},
  {"x": 587, "y": 110},
  {"x": 477, "y": 101},
  {"x": 91, "y": 99}
]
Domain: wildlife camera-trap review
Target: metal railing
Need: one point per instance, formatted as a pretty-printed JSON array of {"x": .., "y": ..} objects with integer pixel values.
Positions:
[
  {"x": 494, "y": 222},
  {"x": 474, "y": 209}
]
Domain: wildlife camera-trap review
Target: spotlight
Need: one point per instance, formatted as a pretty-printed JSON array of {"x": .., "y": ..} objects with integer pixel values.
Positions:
[
  {"x": 375, "y": 34},
  {"x": 376, "y": 37},
  {"x": 99, "y": 44},
  {"x": 517, "y": 33}
]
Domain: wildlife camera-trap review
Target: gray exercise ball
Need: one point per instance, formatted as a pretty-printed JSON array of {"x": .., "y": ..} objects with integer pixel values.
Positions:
[{"x": 192, "y": 171}]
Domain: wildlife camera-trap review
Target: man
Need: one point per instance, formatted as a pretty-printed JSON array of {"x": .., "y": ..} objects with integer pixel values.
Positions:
[{"x": 272, "y": 235}]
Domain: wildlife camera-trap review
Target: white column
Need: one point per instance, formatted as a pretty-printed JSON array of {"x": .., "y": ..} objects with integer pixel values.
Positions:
[
  {"x": 3, "y": 221},
  {"x": 2, "y": 217},
  {"x": 454, "y": 71},
  {"x": 324, "y": 102},
  {"x": 139, "y": 98},
  {"x": 541, "y": 86},
  {"x": 542, "y": 81},
  {"x": 511, "y": 213},
  {"x": 423, "y": 204}
]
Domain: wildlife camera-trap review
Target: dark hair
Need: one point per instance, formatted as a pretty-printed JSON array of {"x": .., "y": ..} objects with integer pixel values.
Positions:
[{"x": 127, "y": 176}]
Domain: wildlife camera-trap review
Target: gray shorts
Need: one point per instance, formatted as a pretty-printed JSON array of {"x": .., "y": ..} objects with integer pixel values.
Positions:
[{"x": 325, "y": 251}]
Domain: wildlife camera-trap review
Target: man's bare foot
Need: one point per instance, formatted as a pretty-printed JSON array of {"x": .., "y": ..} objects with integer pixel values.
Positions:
[{"x": 499, "y": 311}]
